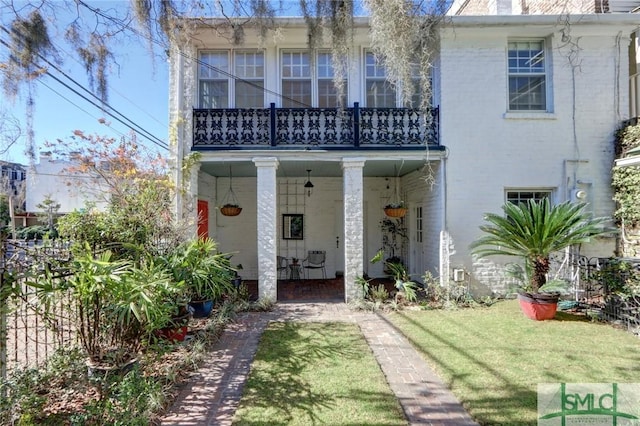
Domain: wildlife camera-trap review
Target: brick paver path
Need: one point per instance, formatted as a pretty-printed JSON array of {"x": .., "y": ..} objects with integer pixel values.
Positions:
[{"x": 214, "y": 392}]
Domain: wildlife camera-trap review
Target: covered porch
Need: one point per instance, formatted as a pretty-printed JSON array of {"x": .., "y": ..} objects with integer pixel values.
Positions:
[{"x": 339, "y": 215}]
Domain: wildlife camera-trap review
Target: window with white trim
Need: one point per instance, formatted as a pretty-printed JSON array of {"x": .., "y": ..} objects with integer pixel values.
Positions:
[
  {"x": 231, "y": 79},
  {"x": 527, "y": 75},
  {"x": 380, "y": 93},
  {"x": 524, "y": 195},
  {"x": 304, "y": 84}
]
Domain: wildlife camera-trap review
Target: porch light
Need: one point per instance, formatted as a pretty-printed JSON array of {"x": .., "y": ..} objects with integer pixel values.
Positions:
[{"x": 308, "y": 186}]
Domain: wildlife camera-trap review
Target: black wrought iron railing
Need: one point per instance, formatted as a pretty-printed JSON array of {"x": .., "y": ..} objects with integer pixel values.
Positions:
[{"x": 326, "y": 128}]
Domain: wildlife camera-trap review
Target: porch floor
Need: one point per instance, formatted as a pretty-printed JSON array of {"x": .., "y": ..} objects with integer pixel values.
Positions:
[{"x": 311, "y": 290}]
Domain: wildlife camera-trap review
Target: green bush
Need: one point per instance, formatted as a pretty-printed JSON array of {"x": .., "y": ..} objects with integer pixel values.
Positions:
[
  {"x": 36, "y": 232},
  {"x": 618, "y": 276}
]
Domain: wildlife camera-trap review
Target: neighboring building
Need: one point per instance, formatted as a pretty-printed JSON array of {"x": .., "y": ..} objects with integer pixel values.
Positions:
[
  {"x": 516, "y": 116},
  {"x": 12, "y": 184},
  {"x": 56, "y": 179}
]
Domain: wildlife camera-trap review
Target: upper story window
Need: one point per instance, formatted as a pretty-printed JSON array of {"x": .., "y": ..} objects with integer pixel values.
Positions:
[
  {"x": 379, "y": 92},
  {"x": 383, "y": 94},
  {"x": 306, "y": 84},
  {"x": 231, "y": 79},
  {"x": 527, "y": 75}
]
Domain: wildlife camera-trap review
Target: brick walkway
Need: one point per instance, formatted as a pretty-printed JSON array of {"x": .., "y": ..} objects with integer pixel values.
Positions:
[{"x": 213, "y": 394}]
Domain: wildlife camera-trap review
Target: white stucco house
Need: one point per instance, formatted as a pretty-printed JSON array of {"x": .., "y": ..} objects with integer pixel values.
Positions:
[
  {"x": 56, "y": 179},
  {"x": 524, "y": 106}
]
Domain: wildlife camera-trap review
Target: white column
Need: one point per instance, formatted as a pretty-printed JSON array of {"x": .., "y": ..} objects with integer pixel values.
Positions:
[
  {"x": 353, "y": 226},
  {"x": 189, "y": 202},
  {"x": 267, "y": 231}
]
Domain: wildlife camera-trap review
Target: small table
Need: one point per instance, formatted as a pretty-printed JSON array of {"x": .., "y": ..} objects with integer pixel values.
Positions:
[{"x": 294, "y": 271}]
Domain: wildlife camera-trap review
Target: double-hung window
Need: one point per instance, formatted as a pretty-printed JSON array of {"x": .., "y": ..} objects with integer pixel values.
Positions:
[
  {"x": 524, "y": 195},
  {"x": 231, "y": 79},
  {"x": 296, "y": 79},
  {"x": 527, "y": 75},
  {"x": 308, "y": 83},
  {"x": 380, "y": 93}
]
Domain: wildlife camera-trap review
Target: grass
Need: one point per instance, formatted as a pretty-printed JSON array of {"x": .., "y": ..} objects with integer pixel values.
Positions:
[
  {"x": 316, "y": 373},
  {"x": 493, "y": 358}
]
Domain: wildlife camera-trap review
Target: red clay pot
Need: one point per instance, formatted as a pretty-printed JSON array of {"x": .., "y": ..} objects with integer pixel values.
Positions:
[
  {"x": 538, "y": 307},
  {"x": 173, "y": 334}
]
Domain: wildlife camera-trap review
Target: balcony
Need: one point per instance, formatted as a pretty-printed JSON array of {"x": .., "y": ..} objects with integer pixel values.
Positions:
[{"x": 314, "y": 128}]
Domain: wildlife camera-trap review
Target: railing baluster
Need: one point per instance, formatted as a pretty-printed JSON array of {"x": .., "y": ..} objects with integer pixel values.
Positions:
[
  {"x": 356, "y": 124},
  {"x": 272, "y": 120}
]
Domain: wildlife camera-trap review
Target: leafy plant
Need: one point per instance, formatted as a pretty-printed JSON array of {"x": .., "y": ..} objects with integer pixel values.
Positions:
[
  {"x": 394, "y": 235},
  {"x": 379, "y": 293},
  {"x": 115, "y": 305},
  {"x": 407, "y": 289},
  {"x": 534, "y": 230},
  {"x": 207, "y": 274},
  {"x": 618, "y": 277},
  {"x": 395, "y": 205}
]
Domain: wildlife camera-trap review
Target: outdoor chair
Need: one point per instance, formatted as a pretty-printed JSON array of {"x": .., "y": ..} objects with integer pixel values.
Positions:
[
  {"x": 315, "y": 260},
  {"x": 283, "y": 265}
]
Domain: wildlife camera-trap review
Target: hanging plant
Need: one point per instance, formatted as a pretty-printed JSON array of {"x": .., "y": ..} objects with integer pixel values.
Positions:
[
  {"x": 230, "y": 205},
  {"x": 395, "y": 209}
]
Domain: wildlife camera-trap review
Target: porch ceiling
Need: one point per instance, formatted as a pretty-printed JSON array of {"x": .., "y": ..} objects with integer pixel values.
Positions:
[{"x": 377, "y": 167}]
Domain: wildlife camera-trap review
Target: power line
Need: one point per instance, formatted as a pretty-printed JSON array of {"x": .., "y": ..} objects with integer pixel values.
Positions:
[
  {"x": 113, "y": 89},
  {"x": 75, "y": 105},
  {"x": 133, "y": 126}
]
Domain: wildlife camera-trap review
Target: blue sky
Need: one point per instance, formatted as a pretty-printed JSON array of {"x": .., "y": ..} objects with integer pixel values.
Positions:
[{"x": 138, "y": 88}]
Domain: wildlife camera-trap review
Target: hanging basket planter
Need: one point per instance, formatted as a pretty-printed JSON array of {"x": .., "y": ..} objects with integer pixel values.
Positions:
[
  {"x": 230, "y": 210},
  {"x": 230, "y": 206},
  {"x": 395, "y": 211}
]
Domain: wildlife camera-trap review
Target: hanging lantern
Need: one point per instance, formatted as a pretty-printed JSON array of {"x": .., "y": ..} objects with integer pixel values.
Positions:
[{"x": 308, "y": 186}]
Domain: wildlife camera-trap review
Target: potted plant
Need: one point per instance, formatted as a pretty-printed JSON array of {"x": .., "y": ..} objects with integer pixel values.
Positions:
[
  {"x": 533, "y": 231},
  {"x": 230, "y": 209},
  {"x": 395, "y": 209},
  {"x": 207, "y": 275},
  {"x": 406, "y": 289},
  {"x": 394, "y": 235}
]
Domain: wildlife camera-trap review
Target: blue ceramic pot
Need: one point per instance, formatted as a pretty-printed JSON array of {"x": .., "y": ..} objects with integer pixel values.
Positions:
[{"x": 201, "y": 308}]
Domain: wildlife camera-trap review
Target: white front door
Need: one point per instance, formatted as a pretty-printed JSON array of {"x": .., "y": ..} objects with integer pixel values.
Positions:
[{"x": 416, "y": 244}]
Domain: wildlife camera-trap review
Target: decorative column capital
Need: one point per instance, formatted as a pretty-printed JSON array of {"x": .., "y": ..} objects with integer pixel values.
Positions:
[
  {"x": 353, "y": 163},
  {"x": 266, "y": 162}
]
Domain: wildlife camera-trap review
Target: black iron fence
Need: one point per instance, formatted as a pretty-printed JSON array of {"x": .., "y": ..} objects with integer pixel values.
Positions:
[
  {"x": 28, "y": 336},
  {"x": 604, "y": 288},
  {"x": 326, "y": 128}
]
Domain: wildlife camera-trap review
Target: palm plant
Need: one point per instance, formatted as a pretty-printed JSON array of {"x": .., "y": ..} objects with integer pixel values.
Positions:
[
  {"x": 206, "y": 273},
  {"x": 534, "y": 230}
]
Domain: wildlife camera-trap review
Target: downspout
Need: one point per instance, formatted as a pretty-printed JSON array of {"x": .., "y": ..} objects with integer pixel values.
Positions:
[{"x": 444, "y": 233}]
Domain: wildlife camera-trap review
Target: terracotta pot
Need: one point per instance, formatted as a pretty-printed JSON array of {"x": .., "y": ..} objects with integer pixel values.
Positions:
[
  {"x": 173, "y": 334},
  {"x": 538, "y": 307},
  {"x": 177, "y": 331}
]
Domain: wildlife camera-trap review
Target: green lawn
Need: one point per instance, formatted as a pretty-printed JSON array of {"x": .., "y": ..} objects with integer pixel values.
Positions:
[
  {"x": 493, "y": 358},
  {"x": 316, "y": 373}
]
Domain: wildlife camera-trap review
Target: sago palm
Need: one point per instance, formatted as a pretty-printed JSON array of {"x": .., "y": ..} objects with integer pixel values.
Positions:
[{"x": 534, "y": 230}]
